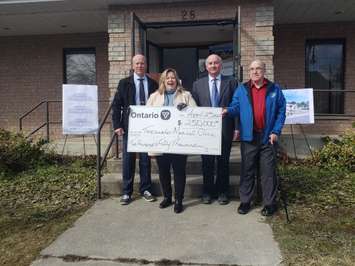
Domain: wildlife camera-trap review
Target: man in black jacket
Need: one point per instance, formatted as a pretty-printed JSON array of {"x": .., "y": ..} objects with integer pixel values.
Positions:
[
  {"x": 216, "y": 90},
  {"x": 133, "y": 90}
]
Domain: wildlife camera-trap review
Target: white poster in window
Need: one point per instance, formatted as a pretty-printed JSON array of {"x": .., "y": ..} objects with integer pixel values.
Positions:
[
  {"x": 80, "y": 109},
  {"x": 227, "y": 67},
  {"x": 194, "y": 130},
  {"x": 299, "y": 106}
]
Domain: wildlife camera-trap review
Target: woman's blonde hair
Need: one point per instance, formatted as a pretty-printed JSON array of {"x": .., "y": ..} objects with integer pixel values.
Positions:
[{"x": 163, "y": 77}]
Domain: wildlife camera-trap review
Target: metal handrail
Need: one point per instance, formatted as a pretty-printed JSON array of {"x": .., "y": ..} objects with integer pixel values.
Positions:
[
  {"x": 48, "y": 122},
  {"x": 331, "y": 114},
  {"x": 36, "y": 129},
  {"x": 329, "y": 90},
  {"x": 100, "y": 161},
  {"x": 41, "y": 126},
  {"x": 28, "y": 112}
]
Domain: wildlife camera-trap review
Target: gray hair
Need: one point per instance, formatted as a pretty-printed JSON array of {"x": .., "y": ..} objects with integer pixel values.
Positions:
[
  {"x": 218, "y": 57},
  {"x": 259, "y": 62}
]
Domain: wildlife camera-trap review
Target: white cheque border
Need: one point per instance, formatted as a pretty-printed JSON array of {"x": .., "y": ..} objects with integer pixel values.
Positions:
[{"x": 194, "y": 130}]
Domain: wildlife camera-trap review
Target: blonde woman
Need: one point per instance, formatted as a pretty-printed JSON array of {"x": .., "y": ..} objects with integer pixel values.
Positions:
[{"x": 171, "y": 93}]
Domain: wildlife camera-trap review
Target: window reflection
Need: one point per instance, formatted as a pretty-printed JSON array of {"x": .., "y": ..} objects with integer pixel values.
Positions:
[
  {"x": 325, "y": 71},
  {"x": 80, "y": 67}
]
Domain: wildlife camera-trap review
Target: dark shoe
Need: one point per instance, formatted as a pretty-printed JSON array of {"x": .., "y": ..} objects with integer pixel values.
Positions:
[
  {"x": 148, "y": 196},
  {"x": 244, "y": 208},
  {"x": 223, "y": 199},
  {"x": 165, "y": 203},
  {"x": 178, "y": 207},
  {"x": 206, "y": 199},
  {"x": 125, "y": 199},
  {"x": 269, "y": 210}
]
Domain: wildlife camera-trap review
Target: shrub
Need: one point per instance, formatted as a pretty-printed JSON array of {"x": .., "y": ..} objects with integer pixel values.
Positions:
[
  {"x": 17, "y": 153},
  {"x": 337, "y": 154},
  {"x": 327, "y": 180},
  {"x": 318, "y": 188}
]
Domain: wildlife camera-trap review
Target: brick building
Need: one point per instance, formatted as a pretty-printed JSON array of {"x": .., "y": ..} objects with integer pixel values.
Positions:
[{"x": 44, "y": 44}]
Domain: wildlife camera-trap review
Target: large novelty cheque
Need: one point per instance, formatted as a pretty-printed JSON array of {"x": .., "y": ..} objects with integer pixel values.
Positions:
[{"x": 194, "y": 130}]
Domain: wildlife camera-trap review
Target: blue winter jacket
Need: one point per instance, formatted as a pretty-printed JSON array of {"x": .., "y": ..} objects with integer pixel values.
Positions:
[{"x": 241, "y": 107}]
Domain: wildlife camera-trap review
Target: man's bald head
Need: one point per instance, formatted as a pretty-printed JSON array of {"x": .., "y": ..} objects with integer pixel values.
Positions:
[
  {"x": 257, "y": 71},
  {"x": 213, "y": 57},
  {"x": 258, "y": 62},
  {"x": 214, "y": 65},
  {"x": 139, "y": 65}
]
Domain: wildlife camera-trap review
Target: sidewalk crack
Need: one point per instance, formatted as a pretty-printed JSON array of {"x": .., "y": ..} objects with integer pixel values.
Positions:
[{"x": 162, "y": 262}]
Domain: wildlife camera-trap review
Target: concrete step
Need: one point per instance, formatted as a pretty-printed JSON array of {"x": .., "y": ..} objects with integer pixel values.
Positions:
[
  {"x": 111, "y": 184},
  {"x": 77, "y": 146},
  {"x": 193, "y": 166}
]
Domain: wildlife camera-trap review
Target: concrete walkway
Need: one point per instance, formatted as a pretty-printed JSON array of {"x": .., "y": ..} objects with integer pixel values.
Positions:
[{"x": 109, "y": 234}]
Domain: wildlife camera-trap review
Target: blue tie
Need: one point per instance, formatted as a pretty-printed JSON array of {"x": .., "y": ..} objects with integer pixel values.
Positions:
[
  {"x": 215, "y": 94},
  {"x": 141, "y": 92}
]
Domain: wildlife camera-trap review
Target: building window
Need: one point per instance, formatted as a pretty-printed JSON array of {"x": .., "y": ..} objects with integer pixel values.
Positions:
[
  {"x": 80, "y": 66},
  {"x": 325, "y": 71}
]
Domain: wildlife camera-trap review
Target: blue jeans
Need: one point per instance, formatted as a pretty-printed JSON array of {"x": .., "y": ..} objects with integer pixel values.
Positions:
[{"x": 129, "y": 166}]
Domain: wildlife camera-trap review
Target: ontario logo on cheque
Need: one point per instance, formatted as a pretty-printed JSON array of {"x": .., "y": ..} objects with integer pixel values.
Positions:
[{"x": 164, "y": 115}]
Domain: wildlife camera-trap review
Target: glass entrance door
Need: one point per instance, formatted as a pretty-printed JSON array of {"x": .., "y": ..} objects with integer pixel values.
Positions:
[
  {"x": 185, "y": 46},
  {"x": 138, "y": 36}
]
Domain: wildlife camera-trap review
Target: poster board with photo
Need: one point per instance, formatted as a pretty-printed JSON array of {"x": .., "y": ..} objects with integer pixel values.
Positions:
[{"x": 299, "y": 106}]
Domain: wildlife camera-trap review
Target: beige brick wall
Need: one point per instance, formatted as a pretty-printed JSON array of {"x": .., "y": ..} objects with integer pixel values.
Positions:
[
  {"x": 31, "y": 67},
  {"x": 256, "y": 31},
  {"x": 31, "y": 71},
  {"x": 290, "y": 65}
]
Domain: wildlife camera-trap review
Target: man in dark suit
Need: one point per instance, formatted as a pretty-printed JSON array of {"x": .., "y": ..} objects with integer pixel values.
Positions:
[
  {"x": 216, "y": 90},
  {"x": 133, "y": 90}
]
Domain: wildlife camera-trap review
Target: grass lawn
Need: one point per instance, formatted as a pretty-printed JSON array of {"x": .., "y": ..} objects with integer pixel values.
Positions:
[
  {"x": 37, "y": 205},
  {"x": 322, "y": 211}
]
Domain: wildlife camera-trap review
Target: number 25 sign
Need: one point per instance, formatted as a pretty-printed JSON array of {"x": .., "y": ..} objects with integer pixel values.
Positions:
[{"x": 188, "y": 14}]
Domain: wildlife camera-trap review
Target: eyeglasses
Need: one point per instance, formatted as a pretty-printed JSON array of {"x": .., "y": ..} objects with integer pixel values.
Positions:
[{"x": 258, "y": 69}]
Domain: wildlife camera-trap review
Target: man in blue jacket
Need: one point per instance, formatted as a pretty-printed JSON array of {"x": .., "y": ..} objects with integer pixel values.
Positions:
[{"x": 260, "y": 106}]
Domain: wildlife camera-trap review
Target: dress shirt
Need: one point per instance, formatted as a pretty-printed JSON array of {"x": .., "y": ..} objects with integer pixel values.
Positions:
[
  {"x": 258, "y": 97},
  {"x": 218, "y": 83},
  {"x": 136, "y": 83}
]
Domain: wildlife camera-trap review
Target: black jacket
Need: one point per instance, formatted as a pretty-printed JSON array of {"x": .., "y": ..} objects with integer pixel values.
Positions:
[
  {"x": 124, "y": 97},
  {"x": 201, "y": 94}
]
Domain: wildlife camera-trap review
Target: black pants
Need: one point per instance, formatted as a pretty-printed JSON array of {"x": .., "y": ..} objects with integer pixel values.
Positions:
[
  {"x": 256, "y": 154},
  {"x": 221, "y": 185},
  {"x": 129, "y": 166},
  {"x": 178, "y": 163}
]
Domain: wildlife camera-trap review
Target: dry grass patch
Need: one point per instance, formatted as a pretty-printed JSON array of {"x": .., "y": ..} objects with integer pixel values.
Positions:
[{"x": 37, "y": 205}]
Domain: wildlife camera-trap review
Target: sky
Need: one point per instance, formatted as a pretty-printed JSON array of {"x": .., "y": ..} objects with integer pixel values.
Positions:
[{"x": 297, "y": 95}]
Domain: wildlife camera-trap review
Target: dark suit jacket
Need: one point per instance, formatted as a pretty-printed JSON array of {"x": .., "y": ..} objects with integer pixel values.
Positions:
[
  {"x": 124, "y": 97},
  {"x": 201, "y": 94}
]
